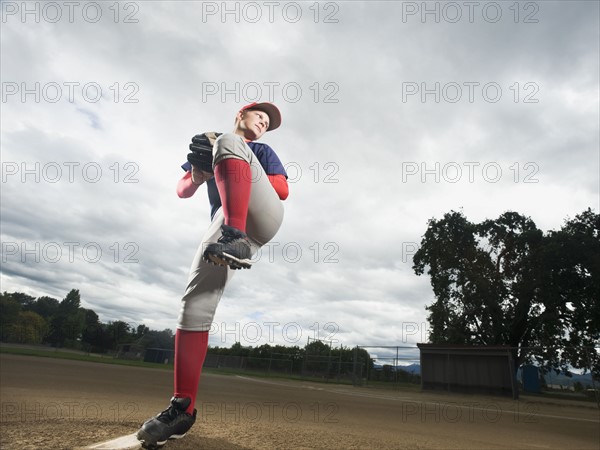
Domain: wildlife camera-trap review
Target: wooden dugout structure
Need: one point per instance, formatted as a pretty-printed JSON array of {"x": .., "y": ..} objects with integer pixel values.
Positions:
[{"x": 468, "y": 369}]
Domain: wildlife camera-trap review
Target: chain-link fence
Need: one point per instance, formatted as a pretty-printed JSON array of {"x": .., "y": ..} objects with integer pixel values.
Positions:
[
  {"x": 390, "y": 366},
  {"x": 275, "y": 364},
  {"x": 525, "y": 370}
]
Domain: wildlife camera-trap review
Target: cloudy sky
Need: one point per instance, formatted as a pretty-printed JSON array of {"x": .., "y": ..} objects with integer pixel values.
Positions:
[{"x": 393, "y": 113}]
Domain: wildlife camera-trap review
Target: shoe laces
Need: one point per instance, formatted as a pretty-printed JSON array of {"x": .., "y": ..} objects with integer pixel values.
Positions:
[
  {"x": 229, "y": 236},
  {"x": 169, "y": 414}
]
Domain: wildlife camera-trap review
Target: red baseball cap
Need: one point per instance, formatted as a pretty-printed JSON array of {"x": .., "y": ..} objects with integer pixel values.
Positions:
[{"x": 270, "y": 109}]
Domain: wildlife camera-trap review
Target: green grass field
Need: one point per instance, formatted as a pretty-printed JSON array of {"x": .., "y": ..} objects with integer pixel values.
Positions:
[{"x": 105, "y": 359}]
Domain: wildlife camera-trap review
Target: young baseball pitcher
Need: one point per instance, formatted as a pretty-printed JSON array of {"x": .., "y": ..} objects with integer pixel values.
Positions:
[{"x": 246, "y": 183}]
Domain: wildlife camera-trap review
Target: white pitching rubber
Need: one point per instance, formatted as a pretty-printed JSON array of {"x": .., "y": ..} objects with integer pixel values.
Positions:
[{"x": 121, "y": 443}]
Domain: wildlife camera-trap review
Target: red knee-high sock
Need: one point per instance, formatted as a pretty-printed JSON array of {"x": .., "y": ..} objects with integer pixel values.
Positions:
[
  {"x": 234, "y": 182},
  {"x": 190, "y": 351}
]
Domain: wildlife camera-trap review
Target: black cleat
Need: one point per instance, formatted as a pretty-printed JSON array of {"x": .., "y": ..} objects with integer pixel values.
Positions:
[
  {"x": 172, "y": 423},
  {"x": 232, "y": 249}
]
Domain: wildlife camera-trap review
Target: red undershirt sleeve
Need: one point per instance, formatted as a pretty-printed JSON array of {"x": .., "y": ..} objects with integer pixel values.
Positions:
[
  {"x": 280, "y": 185},
  {"x": 185, "y": 187}
]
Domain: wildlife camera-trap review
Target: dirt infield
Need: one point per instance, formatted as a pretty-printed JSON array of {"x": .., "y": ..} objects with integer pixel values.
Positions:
[{"x": 60, "y": 404}]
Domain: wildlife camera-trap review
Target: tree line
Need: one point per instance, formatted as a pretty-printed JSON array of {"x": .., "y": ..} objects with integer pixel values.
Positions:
[
  {"x": 316, "y": 355},
  {"x": 45, "y": 320}
]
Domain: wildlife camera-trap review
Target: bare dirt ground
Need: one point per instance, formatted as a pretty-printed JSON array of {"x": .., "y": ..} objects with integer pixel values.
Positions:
[{"x": 59, "y": 404}]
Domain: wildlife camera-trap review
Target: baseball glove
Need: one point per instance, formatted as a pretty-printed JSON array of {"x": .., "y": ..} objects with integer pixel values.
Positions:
[{"x": 201, "y": 150}]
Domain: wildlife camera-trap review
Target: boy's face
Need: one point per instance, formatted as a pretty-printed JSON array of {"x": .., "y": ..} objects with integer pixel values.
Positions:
[{"x": 252, "y": 123}]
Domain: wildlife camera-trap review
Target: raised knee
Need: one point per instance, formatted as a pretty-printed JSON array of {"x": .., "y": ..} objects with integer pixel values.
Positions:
[{"x": 230, "y": 145}]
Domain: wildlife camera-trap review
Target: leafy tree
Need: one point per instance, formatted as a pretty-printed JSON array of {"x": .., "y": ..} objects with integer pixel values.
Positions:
[
  {"x": 105, "y": 338},
  {"x": 141, "y": 330},
  {"x": 263, "y": 351},
  {"x": 91, "y": 335},
  {"x": 68, "y": 322},
  {"x": 502, "y": 282},
  {"x": 25, "y": 300},
  {"x": 571, "y": 286},
  {"x": 29, "y": 328},
  {"x": 362, "y": 356},
  {"x": 71, "y": 303},
  {"x": 120, "y": 332},
  {"x": 9, "y": 314},
  {"x": 318, "y": 348},
  {"x": 238, "y": 350},
  {"x": 45, "y": 306},
  {"x": 156, "y": 339}
]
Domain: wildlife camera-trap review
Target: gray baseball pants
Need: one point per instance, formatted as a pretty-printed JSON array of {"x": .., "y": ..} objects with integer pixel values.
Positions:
[{"x": 206, "y": 281}]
